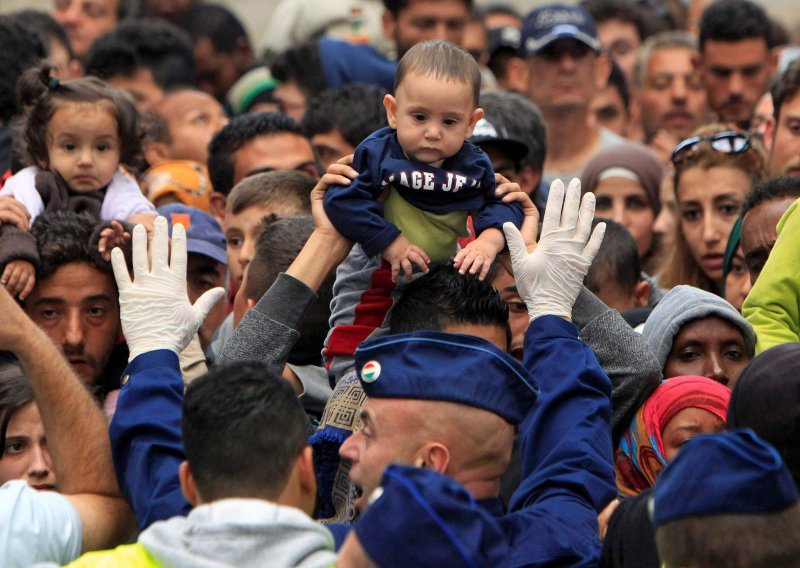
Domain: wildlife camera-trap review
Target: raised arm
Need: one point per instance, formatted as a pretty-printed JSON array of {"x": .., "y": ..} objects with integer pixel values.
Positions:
[
  {"x": 269, "y": 330},
  {"x": 77, "y": 432},
  {"x": 567, "y": 472},
  {"x": 158, "y": 322}
]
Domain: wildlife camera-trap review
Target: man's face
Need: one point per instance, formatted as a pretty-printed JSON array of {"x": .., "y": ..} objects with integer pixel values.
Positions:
[
  {"x": 85, "y": 21},
  {"x": 563, "y": 76},
  {"x": 330, "y": 146},
  {"x": 784, "y": 157},
  {"x": 710, "y": 347},
  {"x": 621, "y": 40},
  {"x": 291, "y": 100},
  {"x": 216, "y": 71},
  {"x": 422, "y": 20},
  {"x": 672, "y": 96},
  {"x": 759, "y": 233},
  {"x": 284, "y": 151},
  {"x": 78, "y": 308},
  {"x": 203, "y": 274},
  {"x": 142, "y": 87},
  {"x": 241, "y": 233},
  {"x": 392, "y": 431},
  {"x": 609, "y": 110},
  {"x": 193, "y": 117},
  {"x": 736, "y": 74},
  {"x": 388, "y": 434}
]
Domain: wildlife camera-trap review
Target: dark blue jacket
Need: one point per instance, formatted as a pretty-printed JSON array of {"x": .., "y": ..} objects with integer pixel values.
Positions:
[{"x": 464, "y": 182}]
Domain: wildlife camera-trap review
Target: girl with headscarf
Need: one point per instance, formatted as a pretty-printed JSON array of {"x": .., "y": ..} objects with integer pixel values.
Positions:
[{"x": 678, "y": 410}]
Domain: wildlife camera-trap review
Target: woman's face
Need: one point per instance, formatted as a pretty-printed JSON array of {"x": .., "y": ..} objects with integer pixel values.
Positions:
[
  {"x": 737, "y": 282},
  {"x": 709, "y": 201},
  {"x": 687, "y": 424},
  {"x": 711, "y": 347},
  {"x": 25, "y": 455},
  {"x": 625, "y": 201}
]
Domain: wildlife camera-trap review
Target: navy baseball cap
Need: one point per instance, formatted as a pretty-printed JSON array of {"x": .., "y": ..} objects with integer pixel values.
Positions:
[
  {"x": 735, "y": 473},
  {"x": 451, "y": 367},
  {"x": 203, "y": 233},
  {"x": 421, "y": 518},
  {"x": 547, "y": 24},
  {"x": 492, "y": 134}
]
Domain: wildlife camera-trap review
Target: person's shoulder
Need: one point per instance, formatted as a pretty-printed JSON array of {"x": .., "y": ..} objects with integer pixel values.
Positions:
[{"x": 42, "y": 525}]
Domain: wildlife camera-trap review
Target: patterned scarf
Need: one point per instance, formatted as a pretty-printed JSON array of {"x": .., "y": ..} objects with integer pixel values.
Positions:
[{"x": 639, "y": 459}]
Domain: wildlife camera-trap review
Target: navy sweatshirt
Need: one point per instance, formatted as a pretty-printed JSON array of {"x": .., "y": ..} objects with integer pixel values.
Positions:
[{"x": 463, "y": 182}]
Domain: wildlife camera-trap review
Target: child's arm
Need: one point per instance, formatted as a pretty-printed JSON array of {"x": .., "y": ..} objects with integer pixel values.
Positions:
[
  {"x": 480, "y": 253},
  {"x": 112, "y": 237},
  {"x": 478, "y": 256},
  {"x": 401, "y": 254},
  {"x": 19, "y": 277},
  {"x": 18, "y": 261},
  {"x": 354, "y": 209}
]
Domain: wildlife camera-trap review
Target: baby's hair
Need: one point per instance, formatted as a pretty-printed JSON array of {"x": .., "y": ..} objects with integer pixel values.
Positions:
[
  {"x": 441, "y": 60},
  {"x": 40, "y": 96}
]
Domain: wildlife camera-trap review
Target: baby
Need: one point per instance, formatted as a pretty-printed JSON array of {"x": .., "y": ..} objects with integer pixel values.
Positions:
[{"x": 418, "y": 181}]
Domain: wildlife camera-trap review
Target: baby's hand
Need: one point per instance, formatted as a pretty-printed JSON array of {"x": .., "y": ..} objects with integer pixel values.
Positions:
[
  {"x": 401, "y": 253},
  {"x": 146, "y": 219},
  {"x": 19, "y": 278},
  {"x": 477, "y": 257},
  {"x": 111, "y": 237}
]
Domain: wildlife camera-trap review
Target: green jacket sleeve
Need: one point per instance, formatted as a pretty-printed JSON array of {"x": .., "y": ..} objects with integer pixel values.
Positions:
[{"x": 772, "y": 306}]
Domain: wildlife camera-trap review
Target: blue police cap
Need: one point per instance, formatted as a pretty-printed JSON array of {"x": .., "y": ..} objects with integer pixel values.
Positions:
[
  {"x": 723, "y": 474},
  {"x": 432, "y": 365},
  {"x": 421, "y": 518},
  {"x": 203, "y": 234}
]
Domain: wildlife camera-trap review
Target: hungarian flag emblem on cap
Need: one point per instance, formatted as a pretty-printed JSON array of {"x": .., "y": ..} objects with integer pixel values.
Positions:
[{"x": 370, "y": 371}]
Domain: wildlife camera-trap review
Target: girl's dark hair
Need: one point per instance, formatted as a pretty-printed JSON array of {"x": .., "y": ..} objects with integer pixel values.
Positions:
[
  {"x": 15, "y": 393},
  {"x": 40, "y": 95}
]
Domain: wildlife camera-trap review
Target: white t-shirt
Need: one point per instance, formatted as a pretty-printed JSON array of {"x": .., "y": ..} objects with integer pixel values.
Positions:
[{"x": 37, "y": 526}]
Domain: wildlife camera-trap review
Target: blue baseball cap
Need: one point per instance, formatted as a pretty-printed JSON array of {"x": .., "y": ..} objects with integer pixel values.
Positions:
[
  {"x": 735, "y": 473},
  {"x": 421, "y": 518},
  {"x": 451, "y": 367},
  {"x": 547, "y": 24},
  {"x": 203, "y": 233}
]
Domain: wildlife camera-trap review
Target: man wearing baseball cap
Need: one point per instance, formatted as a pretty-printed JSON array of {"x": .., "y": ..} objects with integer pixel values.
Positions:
[
  {"x": 566, "y": 66},
  {"x": 207, "y": 260}
]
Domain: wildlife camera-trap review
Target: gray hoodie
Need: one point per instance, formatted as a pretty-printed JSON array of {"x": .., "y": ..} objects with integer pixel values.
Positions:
[{"x": 240, "y": 532}]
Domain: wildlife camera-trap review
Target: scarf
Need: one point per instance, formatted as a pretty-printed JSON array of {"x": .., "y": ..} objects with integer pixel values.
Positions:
[
  {"x": 58, "y": 196},
  {"x": 639, "y": 459}
]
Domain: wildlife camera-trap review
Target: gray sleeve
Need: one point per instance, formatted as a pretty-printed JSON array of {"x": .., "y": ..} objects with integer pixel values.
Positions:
[
  {"x": 269, "y": 330},
  {"x": 316, "y": 387},
  {"x": 623, "y": 354}
]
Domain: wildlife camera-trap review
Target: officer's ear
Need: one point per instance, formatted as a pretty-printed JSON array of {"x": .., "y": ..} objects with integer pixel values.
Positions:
[{"x": 434, "y": 456}]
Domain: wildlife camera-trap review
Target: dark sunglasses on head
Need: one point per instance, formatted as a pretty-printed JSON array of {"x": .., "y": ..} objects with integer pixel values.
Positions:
[{"x": 728, "y": 142}]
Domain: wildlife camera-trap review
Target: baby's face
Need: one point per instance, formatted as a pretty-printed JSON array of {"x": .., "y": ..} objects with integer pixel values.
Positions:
[
  {"x": 83, "y": 145},
  {"x": 432, "y": 116}
]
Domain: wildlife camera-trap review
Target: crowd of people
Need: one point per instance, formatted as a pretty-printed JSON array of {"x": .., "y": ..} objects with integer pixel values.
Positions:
[{"x": 409, "y": 283}]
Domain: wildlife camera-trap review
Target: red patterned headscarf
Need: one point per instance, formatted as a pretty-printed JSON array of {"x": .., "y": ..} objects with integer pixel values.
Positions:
[{"x": 639, "y": 458}]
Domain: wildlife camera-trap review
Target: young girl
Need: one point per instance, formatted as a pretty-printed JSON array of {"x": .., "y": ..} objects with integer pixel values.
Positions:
[{"x": 75, "y": 135}]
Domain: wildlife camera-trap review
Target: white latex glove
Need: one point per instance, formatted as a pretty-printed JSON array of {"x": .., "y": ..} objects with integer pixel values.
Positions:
[
  {"x": 154, "y": 307},
  {"x": 550, "y": 278}
]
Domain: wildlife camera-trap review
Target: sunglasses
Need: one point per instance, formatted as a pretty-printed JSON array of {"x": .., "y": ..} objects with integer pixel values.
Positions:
[{"x": 728, "y": 142}]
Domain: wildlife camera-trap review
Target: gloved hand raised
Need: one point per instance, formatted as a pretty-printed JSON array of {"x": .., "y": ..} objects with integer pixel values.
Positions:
[
  {"x": 154, "y": 308},
  {"x": 550, "y": 278}
]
